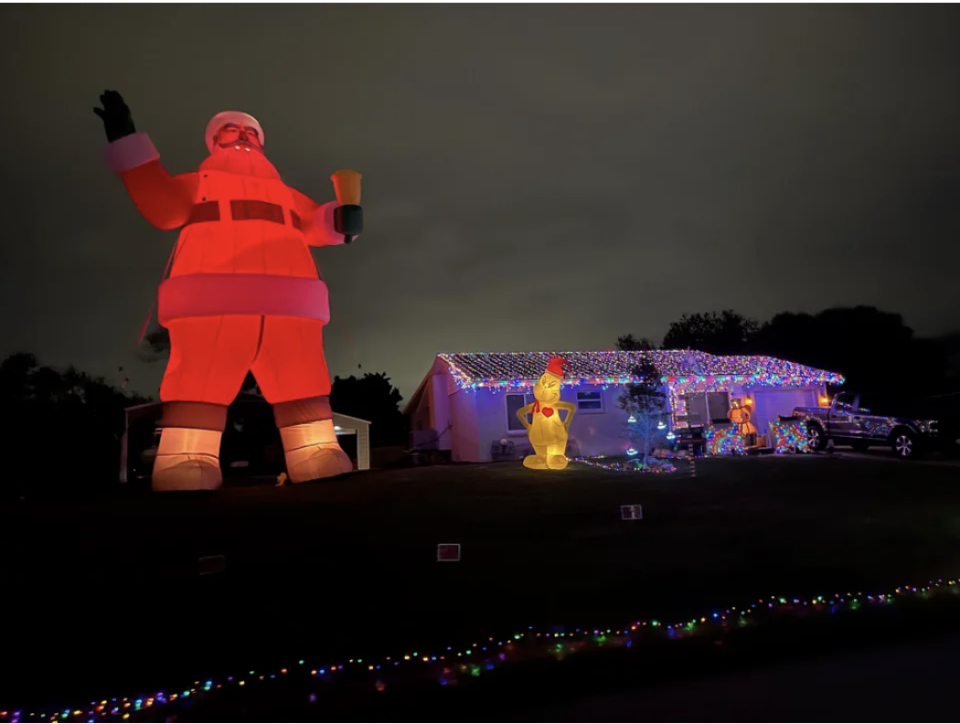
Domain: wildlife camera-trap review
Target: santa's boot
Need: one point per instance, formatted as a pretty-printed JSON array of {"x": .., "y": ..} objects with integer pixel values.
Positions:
[
  {"x": 309, "y": 440},
  {"x": 312, "y": 452},
  {"x": 188, "y": 457}
]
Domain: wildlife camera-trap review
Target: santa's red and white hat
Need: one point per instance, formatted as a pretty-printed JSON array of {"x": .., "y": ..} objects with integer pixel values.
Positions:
[{"x": 222, "y": 119}]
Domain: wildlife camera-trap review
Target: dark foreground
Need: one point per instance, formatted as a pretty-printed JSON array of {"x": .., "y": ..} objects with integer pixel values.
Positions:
[{"x": 109, "y": 601}]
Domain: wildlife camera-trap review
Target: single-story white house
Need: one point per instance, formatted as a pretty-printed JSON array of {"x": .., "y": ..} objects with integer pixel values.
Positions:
[{"x": 467, "y": 403}]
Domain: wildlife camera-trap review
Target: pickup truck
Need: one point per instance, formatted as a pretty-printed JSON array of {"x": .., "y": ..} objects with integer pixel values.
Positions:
[{"x": 864, "y": 420}]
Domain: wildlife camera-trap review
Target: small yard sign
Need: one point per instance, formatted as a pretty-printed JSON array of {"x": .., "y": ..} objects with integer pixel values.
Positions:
[
  {"x": 448, "y": 552},
  {"x": 209, "y": 565},
  {"x": 631, "y": 512}
]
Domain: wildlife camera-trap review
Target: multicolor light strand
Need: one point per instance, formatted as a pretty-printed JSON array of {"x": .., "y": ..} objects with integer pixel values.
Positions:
[
  {"x": 683, "y": 372},
  {"x": 723, "y": 441},
  {"x": 690, "y": 371},
  {"x": 789, "y": 436},
  {"x": 786, "y": 436},
  {"x": 448, "y": 667},
  {"x": 627, "y": 466}
]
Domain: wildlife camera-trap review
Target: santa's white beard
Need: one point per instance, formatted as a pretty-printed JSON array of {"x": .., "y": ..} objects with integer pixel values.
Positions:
[{"x": 240, "y": 161}]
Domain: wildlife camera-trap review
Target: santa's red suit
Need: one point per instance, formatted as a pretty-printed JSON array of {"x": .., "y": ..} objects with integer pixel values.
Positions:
[{"x": 243, "y": 295}]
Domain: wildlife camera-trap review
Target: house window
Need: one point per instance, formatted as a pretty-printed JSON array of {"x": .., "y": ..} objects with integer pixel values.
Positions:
[
  {"x": 703, "y": 409},
  {"x": 718, "y": 405},
  {"x": 589, "y": 401},
  {"x": 514, "y": 403},
  {"x": 696, "y": 409}
]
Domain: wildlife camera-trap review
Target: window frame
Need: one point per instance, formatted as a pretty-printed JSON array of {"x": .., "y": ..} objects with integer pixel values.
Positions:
[
  {"x": 512, "y": 419},
  {"x": 591, "y": 411}
]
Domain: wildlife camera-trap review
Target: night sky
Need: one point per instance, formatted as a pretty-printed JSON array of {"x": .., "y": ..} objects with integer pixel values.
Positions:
[{"x": 535, "y": 177}]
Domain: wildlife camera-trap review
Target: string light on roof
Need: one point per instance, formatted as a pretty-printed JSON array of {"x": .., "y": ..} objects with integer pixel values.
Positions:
[{"x": 684, "y": 371}]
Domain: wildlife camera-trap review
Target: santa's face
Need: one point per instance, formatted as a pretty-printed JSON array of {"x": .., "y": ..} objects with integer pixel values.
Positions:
[
  {"x": 238, "y": 149},
  {"x": 241, "y": 138}
]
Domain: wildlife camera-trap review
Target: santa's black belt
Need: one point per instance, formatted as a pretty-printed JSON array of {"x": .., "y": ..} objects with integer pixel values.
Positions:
[{"x": 243, "y": 211}]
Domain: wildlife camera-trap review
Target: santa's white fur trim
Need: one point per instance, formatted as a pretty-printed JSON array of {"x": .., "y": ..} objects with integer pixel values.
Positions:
[{"x": 130, "y": 152}]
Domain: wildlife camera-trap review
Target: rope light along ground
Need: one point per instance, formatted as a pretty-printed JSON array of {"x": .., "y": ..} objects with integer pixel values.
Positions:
[{"x": 450, "y": 665}]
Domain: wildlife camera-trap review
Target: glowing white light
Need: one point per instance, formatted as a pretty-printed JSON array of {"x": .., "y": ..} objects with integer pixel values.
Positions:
[
  {"x": 631, "y": 451},
  {"x": 631, "y": 419},
  {"x": 661, "y": 425}
]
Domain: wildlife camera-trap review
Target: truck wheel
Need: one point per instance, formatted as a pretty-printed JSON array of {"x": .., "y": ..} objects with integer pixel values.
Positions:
[
  {"x": 815, "y": 438},
  {"x": 904, "y": 444}
]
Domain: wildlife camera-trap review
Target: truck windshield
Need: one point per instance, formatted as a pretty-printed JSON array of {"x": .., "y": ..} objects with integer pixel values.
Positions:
[{"x": 844, "y": 402}]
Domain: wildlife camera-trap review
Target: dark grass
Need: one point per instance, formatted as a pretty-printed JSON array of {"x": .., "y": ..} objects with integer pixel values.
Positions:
[{"x": 104, "y": 596}]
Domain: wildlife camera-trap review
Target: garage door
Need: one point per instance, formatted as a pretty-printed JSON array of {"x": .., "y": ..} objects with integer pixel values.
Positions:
[{"x": 769, "y": 404}]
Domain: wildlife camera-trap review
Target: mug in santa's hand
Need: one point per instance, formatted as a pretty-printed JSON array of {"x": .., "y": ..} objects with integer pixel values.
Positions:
[
  {"x": 346, "y": 184},
  {"x": 348, "y": 217}
]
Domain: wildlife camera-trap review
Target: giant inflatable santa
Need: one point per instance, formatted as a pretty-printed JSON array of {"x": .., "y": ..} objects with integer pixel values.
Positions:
[{"x": 243, "y": 294}]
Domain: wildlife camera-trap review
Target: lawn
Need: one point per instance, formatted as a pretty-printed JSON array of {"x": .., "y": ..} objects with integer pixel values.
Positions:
[{"x": 111, "y": 596}]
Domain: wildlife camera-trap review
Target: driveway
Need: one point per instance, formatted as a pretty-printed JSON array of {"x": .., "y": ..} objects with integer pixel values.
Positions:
[{"x": 879, "y": 453}]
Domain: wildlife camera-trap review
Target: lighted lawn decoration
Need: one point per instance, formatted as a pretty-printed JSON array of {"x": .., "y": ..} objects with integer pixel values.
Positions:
[
  {"x": 722, "y": 441},
  {"x": 789, "y": 436},
  {"x": 740, "y": 415},
  {"x": 547, "y": 432},
  {"x": 243, "y": 294}
]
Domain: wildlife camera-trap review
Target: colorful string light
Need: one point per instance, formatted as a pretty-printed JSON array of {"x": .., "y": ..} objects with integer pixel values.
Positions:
[
  {"x": 786, "y": 436},
  {"x": 789, "y": 436},
  {"x": 683, "y": 372},
  {"x": 627, "y": 466},
  {"x": 690, "y": 371},
  {"x": 723, "y": 441},
  {"x": 447, "y": 667}
]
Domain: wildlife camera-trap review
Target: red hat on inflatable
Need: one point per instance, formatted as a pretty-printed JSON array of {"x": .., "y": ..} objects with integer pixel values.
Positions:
[{"x": 555, "y": 366}]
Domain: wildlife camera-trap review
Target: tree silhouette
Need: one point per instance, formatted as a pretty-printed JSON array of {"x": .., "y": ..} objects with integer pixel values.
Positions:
[
  {"x": 629, "y": 343},
  {"x": 65, "y": 426},
  {"x": 873, "y": 349},
  {"x": 722, "y": 333},
  {"x": 372, "y": 397}
]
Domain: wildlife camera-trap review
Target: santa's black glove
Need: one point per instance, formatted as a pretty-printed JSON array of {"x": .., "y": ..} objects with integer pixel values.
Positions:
[
  {"x": 117, "y": 121},
  {"x": 348, "y": 220}
]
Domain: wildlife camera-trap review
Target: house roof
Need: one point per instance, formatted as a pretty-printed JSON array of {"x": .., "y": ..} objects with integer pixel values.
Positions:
[{"x": 498, "y": 369}]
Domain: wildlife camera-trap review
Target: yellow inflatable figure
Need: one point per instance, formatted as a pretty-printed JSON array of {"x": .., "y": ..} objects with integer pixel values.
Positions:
[
  {"x": 740, "y": 415},
  {"x": 548, "y": 433}
]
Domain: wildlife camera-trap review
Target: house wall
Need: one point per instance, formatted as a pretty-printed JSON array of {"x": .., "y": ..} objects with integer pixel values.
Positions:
[
  {"x": 796, "y": 397},
  {"x": 363, "y": 447},
  {"x": 430, "y": 413},
  {"x": 478, "y": 418},
  {"x": 813, "y": 392},
  {"x": 465, "y": 427},
  {"x": 420, "y": 415},
  {"x": 440, "y": 409},
  {"x": 596, "y": 433}
]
